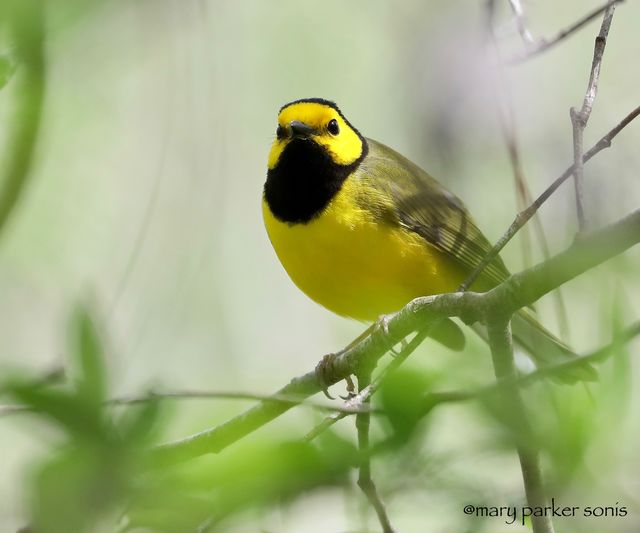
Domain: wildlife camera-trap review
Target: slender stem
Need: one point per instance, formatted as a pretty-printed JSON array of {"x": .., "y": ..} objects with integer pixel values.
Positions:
[
  {"x": 365, "y": 481},
  {"x": 507, "y": 120},
  {"x": 344, "y": 410},
  {"x": 580, "y": 118},
  {"x": 544, "y": 44},
  {"x": 521, "y": 22},
  {"x": 433, "y": 399},
  {"x": 578, "y": 170},
  {"x": 501, "y": 344},
  {"x": 524, "y": 216}
]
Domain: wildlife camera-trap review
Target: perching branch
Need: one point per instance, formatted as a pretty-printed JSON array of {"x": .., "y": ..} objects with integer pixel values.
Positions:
[
  {"x": 524, "y": 216},
  {"x": 544, "y": 44},
  {"x": 580, "y": 118},
  {"x": 520, "y": 290}
]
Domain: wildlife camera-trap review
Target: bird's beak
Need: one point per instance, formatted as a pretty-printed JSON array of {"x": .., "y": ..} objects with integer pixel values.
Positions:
[{"x": 300, "y": 129}]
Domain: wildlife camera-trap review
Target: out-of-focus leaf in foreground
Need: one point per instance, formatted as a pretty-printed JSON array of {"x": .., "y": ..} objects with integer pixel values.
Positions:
[
  {"x": 213, "y": 490},
  {"x": 7, "y": 68},
  {"x": 103, "y": 474},
  {"x": 402, "y": 400},
  {"x": 86, "y": 478}
]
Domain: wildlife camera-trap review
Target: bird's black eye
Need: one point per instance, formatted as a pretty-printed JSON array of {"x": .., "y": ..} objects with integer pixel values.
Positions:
[
  {"x": 281, "y": 132},
  {"x": 333, "y": 127}
]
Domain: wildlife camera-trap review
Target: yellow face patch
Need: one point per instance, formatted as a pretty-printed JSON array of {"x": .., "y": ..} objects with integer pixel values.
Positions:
[{"x": 344, "y": 147}]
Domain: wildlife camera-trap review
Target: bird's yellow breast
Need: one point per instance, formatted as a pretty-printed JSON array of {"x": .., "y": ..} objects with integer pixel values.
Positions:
[{"x": 356, "y": 265}]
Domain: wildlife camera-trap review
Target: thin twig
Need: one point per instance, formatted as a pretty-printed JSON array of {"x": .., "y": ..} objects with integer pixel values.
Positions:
[
  {"x": 365, "y": 481},
  {"x": 580, "y": 118},
  {"x": 544, "y": 44},
  {"x": 524, "y": 216},
  {"x": 521, "y": 22},
  {"x": 434, "y": 399},
  {"x": 507, "y": 120},
  {"x": 326, "y": 423},
  {"x": 344, "y": 410},
  {"x": 501, "y": 344},
  {"x": 520, "y": 290}
]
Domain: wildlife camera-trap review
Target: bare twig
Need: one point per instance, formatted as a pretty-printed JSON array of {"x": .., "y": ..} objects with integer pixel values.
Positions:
[
  {"x": 520, "y": 290},
  {"x": 523, "y": 217},
  {"x": 365, "y": 481},
  {"x": 507, "y": 120},
  {"x": 544, "y": 44},
  {"x": 501, "y": 344},
  {"x": 434, "y": 399},
  {"x": 326, "y": 423},
  {"x": 521, "y": 22},
  {"x": 343, "y": 410},
  {"x": 580, "y": 118}
]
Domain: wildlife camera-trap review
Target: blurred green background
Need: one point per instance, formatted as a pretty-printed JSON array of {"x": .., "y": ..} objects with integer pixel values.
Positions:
[{"x": 144, "y": 200}]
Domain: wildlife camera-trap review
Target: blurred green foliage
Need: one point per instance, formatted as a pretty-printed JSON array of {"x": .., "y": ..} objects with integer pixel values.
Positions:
[
  {"x": 140, "y": 180},
  {"x": 102, "y": 471}
]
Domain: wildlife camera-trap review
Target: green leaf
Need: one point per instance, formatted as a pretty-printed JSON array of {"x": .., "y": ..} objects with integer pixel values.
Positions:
[
  {"x": 7, "y": 68},
  {"x": 138, "y": 422},
  {"x": 401, "y": 398},
  {"x": 77, "y": 489},
  {"x": 77, "y": 417},
  {"x": 88, "y": 356}
]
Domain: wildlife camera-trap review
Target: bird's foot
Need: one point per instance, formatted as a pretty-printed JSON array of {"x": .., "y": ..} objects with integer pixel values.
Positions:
[{"x": 324, "y": 374}]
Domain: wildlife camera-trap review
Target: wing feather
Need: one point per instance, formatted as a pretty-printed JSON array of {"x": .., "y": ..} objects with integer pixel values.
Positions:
[{"x": 422, "y": 205}]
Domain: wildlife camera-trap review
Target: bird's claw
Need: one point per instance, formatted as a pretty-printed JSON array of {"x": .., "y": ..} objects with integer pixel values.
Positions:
[
  {"x": 351, "y": 389},
  {"x": 324, "y": 372}
]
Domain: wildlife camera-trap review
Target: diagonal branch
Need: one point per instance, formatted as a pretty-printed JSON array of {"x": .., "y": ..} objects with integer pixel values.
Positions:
[
  {"x": 544, "y": 44},
  {"x": 518, "y": 291},
  {"x": 521, "y": 22},
  {"x": 524, "y": 216},
  {"x": 434, "y": 399}
]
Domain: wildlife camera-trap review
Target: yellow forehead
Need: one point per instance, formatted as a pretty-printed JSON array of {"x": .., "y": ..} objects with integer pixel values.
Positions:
[
  {"x": 344, "y": 147},
  {"x": 311, "y": 113}
]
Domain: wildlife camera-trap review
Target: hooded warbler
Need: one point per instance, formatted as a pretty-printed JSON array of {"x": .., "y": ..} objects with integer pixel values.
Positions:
[{"x": 362, "y": 230}]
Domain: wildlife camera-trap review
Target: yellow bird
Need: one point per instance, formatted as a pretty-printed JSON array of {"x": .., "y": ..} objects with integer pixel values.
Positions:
[{"x": 362, "y": 230}]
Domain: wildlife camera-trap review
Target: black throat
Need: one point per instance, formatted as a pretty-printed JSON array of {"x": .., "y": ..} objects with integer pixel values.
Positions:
[{"x": 304, "y": 181}]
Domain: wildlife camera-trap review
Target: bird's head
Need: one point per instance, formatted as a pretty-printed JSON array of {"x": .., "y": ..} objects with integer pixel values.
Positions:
[{"x": 314, "y": 120}]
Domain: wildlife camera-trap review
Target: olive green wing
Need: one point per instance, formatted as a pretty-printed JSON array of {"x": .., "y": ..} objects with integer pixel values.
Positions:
[{"x": 422, "y": 205}]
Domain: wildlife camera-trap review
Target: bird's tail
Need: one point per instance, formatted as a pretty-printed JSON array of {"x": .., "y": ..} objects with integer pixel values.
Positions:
[{"x": 545, "y": 348}]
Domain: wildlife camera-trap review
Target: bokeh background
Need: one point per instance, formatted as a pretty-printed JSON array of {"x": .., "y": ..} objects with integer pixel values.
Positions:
[{"x": 144, "y": 200}]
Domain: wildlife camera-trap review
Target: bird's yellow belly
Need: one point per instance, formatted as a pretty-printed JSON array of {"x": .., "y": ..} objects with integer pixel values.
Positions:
[{"x": 356, "y": 266}]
